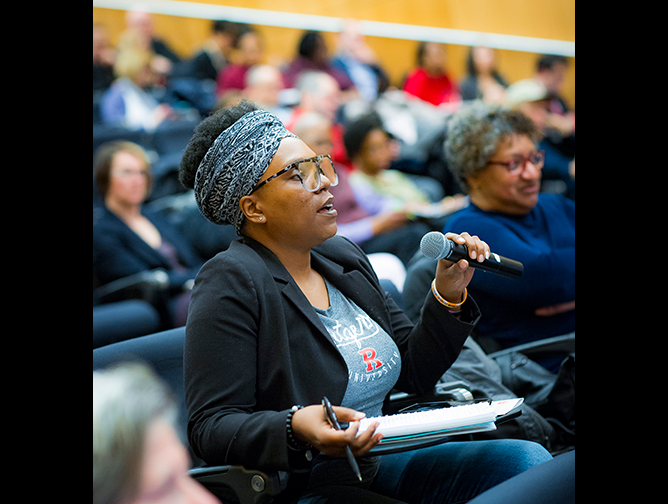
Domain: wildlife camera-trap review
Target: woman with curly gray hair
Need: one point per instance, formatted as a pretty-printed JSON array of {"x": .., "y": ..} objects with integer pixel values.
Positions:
[
  {"x": 493, "y": 151},
  {"x": 475, "y": 135}
]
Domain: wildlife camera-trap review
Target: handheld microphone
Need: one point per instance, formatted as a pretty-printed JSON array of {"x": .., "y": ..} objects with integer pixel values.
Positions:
[{"x": 436, "y": 246}]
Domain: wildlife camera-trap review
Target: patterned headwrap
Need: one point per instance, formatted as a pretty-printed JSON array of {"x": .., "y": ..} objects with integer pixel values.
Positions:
[{"x": 235, "y": 164}]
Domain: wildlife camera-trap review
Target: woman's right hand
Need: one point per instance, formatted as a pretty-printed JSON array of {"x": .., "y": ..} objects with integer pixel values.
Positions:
[
  {"x": 452, "y": 279},
  {"x": 310, "y": 426}
]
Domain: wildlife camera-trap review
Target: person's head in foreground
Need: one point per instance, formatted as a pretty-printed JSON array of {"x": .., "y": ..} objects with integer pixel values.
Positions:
[
  {"x": 137, "y": 455},
  {"x": 493, "y": 150}
]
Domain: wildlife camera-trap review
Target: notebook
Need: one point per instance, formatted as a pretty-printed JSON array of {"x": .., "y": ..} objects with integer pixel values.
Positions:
[{"x": 445, "y": 422}]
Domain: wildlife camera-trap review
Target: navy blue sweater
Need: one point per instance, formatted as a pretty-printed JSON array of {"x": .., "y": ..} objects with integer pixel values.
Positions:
[{"x": 544, "y": 241}]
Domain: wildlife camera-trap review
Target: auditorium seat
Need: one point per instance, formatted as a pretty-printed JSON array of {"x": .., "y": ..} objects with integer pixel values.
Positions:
[
  {"x": 103, "y": 133},
  {"x": 117, "y": 322},
  {"x": 173, "y": 136}
]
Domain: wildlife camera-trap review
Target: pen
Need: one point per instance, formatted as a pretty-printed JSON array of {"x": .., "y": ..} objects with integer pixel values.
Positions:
[{"x": 334, "y": 422}]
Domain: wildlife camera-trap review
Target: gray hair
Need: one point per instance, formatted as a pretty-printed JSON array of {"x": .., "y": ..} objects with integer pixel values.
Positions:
[
  {"x": 476, "y": 133},
  {"x": 260, "y": 74},
  {"x": 307, "y": 121},
  {"x": 127, "y": 400},
  {"x": 312, "y": 81}
]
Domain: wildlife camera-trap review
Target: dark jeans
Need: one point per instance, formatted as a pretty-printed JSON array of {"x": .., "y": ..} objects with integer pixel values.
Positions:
[
  {"x": 452, "y": 473},
  {"x": 550, "y": 483}
]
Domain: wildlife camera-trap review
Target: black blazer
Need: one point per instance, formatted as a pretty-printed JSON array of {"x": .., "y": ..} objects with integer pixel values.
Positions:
[
  {"x": 255, "y": 347},
  {"x": 118, "y": 252}
]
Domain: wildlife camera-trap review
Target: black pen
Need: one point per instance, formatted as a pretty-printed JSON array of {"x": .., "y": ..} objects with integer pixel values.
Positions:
[{"x": 334, "y": 422}]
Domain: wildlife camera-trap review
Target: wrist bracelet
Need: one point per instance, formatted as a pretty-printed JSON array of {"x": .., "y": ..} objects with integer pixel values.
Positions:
[
  {"x": 454, "y": 308},
  {"x": 293, "y": 442}
]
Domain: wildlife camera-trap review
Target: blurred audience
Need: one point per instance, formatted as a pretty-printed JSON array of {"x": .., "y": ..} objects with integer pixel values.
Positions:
[
  {"x": 250, "y": 52},
  {"x": 430, "y": 81},
  {"x": 360, "y": 62},
  {"x": 483, "y": 82},
  {"x": 494, "y": 152},
  {"x": 129, "y": 102},
  {"x": 128, "y": 240},
  {"x": 319, "y": 92},
  {"x": 137, "y": 455},
  {"x": 552, "y": 72},
  {"x": 314, "y": 57},
  {"x": 141, "y": 30},
  {"x": 104, "y": 58},
  {"x": 216, "y": 52},
  {"x": 264, "y": 84},
  {"x": 379, "y": 188},
  {"x": 531, "y": 97}
]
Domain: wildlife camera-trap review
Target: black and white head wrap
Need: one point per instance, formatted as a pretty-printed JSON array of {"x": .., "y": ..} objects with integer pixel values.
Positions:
[{"x": 235, "y": 164}]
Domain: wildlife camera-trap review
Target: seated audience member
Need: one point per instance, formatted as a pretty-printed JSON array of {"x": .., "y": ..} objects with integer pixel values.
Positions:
[
  {"x": 493, "y": 150},
  {"x": 319, "y": 92},
  {"x": 380, "y": 189},
  {"x": 531, "y": 97},
  {"x": 216, "y": 51},
  {"x": 552, "y": 73},
  {"x": 266, "y": 342},
  {"x": 430, "y": 80},
  {"x": 250, "y": 52},
  {"x": 314, "y": 57},
  {"x": 360, "y": 63},
  {"x": 388, "y": 231},
  {"x": 141, "y": 29},
  {"x": 129, "y": 102},
  {"x": 104, "y": 58},
  {"x": 137, "y": 455},
  {"x": 128, "y": 240},
  {"x": 483, "y": 82},
  {"x": 264, "y": 84}
]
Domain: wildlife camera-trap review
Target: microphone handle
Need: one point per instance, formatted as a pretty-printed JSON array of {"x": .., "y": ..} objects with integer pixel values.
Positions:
[{"x": 495, "y": 264}]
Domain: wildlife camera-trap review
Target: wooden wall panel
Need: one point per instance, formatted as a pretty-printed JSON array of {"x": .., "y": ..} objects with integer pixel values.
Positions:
[{"x": 554, "y": 19}]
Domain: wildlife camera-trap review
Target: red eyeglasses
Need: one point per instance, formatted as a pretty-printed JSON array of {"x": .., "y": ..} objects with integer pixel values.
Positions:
[{"x": 520, "y": 162}]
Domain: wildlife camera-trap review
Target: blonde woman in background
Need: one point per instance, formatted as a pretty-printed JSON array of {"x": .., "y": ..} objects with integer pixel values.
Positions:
[{"x": 129, "y": 102}]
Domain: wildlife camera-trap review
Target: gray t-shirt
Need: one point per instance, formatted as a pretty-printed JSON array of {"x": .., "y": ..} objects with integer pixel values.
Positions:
[{"x": 372, "y": 356}]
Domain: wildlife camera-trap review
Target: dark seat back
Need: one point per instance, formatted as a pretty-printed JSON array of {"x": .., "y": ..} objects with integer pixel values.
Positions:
[{"x": 164, "y": 353}]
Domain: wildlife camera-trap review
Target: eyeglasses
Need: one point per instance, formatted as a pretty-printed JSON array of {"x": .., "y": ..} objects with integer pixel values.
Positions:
[
  {"x": 310, "y": 171},
  {"x": 520, "y": 162}
]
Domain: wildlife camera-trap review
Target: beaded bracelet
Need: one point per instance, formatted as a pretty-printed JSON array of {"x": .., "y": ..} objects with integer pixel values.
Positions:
[
  {"x": 454, "y": 308},
  {"x": 293, "y": 442}
]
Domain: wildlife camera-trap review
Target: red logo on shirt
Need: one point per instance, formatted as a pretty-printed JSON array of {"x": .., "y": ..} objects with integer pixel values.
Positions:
[{"x": 372, "y": 363}]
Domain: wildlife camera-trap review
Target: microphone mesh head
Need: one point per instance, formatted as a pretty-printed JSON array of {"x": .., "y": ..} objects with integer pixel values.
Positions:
[{"x": 433, "y": 245}]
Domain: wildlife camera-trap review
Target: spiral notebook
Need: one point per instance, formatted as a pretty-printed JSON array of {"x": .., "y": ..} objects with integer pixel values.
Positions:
[{"x": 408, "y": 431}]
